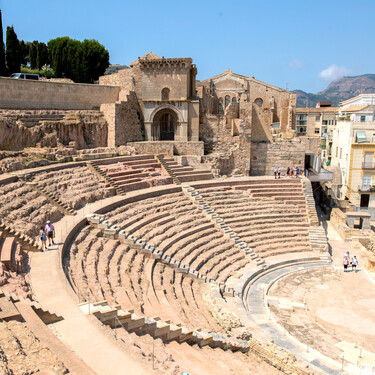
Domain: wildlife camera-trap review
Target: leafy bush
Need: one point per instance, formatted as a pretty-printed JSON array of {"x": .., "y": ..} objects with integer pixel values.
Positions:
[{"x": 46, "y": 71}]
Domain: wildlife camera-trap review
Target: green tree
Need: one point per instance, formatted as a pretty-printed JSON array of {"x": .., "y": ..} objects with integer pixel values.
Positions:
[
  {"x": 33, "y": 54},
  {"x": 24, "y": 52},
  {"x": 42, "y": 55},
  {"x": 81, "y": 61},
  {"x": 12, "y": 51},
  {"x": 3, "y": 68}
]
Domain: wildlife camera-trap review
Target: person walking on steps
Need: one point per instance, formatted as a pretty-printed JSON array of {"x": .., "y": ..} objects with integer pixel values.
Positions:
[
  {"x": 354, "y": 263},
  {"x": 275, "y": 172},
  {"x": 345, "y": 263},
  {"x": 297, "y": 172},
  {"x": 50, "y": 230},
  {"x": 288, "y": 171},
  {"x": 43, "y": 238},
  {"x": 279, "y": 172}
]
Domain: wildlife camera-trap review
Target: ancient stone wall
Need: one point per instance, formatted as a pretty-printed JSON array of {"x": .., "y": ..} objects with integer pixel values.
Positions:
[
  {"x": 27, "y": 94},
  {"x": 125, "y": 123},
  {"x": 82, "y": 129},
  {"x": 265, "y": 157},
  {"x": 168, "y": 148},
  {"x": 228, "y": 142}
]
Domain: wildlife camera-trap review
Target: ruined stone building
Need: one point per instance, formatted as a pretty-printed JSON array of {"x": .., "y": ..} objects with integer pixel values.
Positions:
[{"x": 231, "y": 123}]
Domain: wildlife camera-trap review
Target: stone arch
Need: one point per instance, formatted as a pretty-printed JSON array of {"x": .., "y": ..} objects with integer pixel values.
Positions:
[
  {"x": 259, "y": 102},
  {"x": 234, "y": 100},
  {"x": 165, "y": 121},
  {"x": 165, "y": 94}
]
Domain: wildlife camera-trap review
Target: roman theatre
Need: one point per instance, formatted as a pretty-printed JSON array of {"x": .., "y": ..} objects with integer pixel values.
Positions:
[{"x": 176, "y": 250}]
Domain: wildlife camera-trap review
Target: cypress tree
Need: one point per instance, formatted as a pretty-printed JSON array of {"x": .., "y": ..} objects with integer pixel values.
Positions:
[
  {"x": 3, "y": 69},
  {"x": 13, "y": 51},
  {"x": 33, "y": 54},
  {"x": 42, "y": 55}
]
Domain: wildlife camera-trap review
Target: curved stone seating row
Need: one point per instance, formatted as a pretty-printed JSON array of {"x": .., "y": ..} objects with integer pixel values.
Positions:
[
  {"x": 100, "y": 267},
  {"x": 266, "y": 225},
  {"x": 71, "y": 187},
  {"x": 132, "y": 173},
  {"x": 24, "y": 210}
]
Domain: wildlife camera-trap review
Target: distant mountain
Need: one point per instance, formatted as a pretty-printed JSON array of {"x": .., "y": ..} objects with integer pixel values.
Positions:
[
  {"x": 112, "y": 69},
  {"x": 339, "y": 90}
]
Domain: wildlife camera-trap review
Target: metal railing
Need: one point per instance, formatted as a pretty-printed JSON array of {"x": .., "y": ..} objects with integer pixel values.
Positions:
[
  {"x": 369, "y": 188},
  {"x": 368, "y": 165}
]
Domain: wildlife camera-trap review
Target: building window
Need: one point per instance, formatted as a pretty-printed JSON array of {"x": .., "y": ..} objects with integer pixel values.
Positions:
[
  {"x": 337, "y": 152},
  {"x": 363, "y": 118},
  {"x": 234, "y": 99},
  {"x": 301, "y": 130},
  {"x": 165, "y": 93},
  {"x": 317, "y": 118},
  {"x": 324, "y": 122},
  {"x": 301, "y": 119},
  {"x": 259, "y": 102},
  {"x": 317, "y": 131},
  {"x": 227, "y": 101}
]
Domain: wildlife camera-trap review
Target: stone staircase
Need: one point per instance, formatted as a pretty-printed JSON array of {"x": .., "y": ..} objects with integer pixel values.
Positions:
[
  {"x": 45, "y": 315},
  {"x": 180, "y": 173},
  {"x": 310, "y": 202},
  {"x": 318, "y": 239},
  {"x": 102, "y": 175},
  {"x": 167, "y": 168},
  {"x": 53, "y": 198},
  {"x": 115, "y": 317}
]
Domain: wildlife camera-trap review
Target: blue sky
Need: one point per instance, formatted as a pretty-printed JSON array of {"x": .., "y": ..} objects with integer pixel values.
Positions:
[{"x": 305, "y": 43}]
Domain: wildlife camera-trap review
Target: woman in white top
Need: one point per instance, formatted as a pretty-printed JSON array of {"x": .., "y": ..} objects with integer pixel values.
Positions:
[{"x": 354, "y": 263}]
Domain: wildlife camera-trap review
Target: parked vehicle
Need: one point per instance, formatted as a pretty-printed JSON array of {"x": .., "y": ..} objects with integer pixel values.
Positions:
[{"x": 25, "y": 76}]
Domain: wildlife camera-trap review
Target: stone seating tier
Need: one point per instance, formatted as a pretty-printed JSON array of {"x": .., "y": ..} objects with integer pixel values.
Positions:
[{"x": 25, "y": 210}]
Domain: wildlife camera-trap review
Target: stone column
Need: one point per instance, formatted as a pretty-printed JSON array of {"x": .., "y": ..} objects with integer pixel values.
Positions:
[{"x": 148, "y": 133}]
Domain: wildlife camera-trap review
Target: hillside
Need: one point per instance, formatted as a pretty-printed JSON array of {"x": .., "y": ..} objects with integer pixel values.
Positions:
[{"x": 339, "y": 90}]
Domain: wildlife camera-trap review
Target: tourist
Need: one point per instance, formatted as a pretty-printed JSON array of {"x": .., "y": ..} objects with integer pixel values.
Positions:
[
  {"x": 275, "y": 172},
  {"x": 354, "y": 263},
  {"x": 291, "y": 172},
  {"x": 297, "y": 172},
  {"x": 43, "y": 238},
  {"x": 346, "y": 263},
  {"x": 288, "y": 171},
  {"x": 50, "y": 229},
  {"x": 279, "y": 171}
]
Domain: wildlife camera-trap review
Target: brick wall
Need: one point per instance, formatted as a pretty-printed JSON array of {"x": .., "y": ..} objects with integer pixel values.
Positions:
[{"x": 25, "y": 94}]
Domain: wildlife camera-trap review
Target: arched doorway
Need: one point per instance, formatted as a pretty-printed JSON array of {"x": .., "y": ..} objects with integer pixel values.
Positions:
[{"x": 164, "y": 125}]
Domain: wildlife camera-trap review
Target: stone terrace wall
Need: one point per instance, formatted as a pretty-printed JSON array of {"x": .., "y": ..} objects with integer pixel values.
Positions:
[
  {"x": 266, "y": 156},
  {"x": 168, "y": 148},
  {"x": 25, "y": 94}
]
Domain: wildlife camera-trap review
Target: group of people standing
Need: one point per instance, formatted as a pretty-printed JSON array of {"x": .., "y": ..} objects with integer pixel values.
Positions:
[
  {"x": 347, "y": 262},
  {"x": 289, "y": 172},
  {"x": 47, "y": 232}
]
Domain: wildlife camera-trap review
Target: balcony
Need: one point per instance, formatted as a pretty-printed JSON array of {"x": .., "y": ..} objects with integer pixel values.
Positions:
[
  {"x": 368, "y": 165},
  {"x": 368, "y": 188},
  {"x": 301, "y": 122}
]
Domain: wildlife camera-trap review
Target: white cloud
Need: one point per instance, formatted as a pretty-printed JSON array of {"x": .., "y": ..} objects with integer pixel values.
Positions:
[
  {"x": 333, "y": 72},
  {"x": 295, "y": 64}
]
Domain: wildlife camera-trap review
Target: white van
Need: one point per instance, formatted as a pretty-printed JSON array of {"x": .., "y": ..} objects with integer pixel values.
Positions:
[{"x": 35, "y": 77}]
